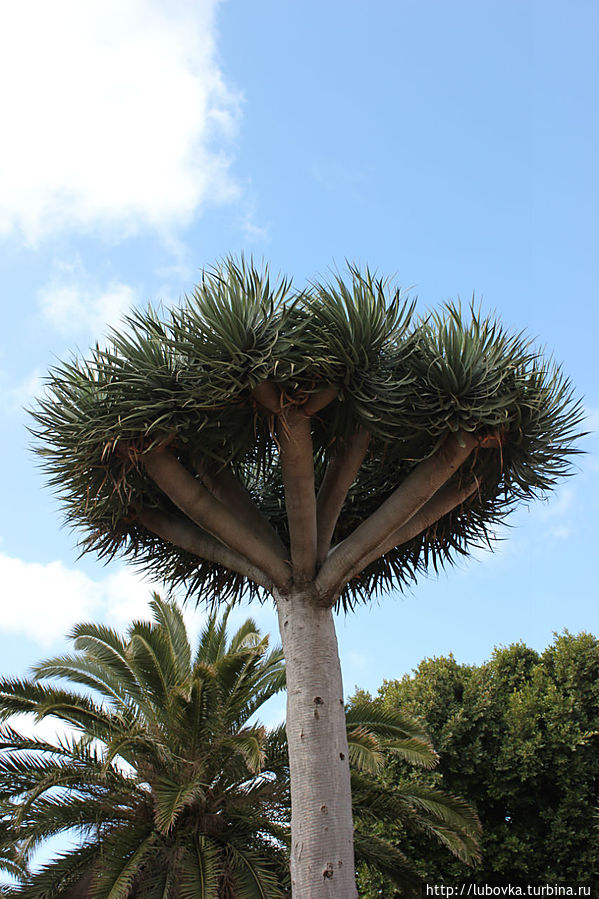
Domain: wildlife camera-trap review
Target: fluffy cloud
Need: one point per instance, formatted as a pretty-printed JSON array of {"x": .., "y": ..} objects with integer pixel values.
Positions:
[
  {"x": 43, "y": 601},
  {"x": 73, "y": 308},
  {"x": 556, "y": 513},
  {"x": 113, "y": 114},
  {"x": 14, "y": 396}
]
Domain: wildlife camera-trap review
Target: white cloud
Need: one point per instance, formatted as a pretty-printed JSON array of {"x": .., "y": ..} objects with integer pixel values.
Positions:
[
  {"x": 125, "y": 596},
  {"x": 14, "y": 396},
  {"x": 76, "y": 308},
  {"x": 50, "y": 729},
  {"x": 44, "y": 601},
  {"x": 113, "y": 114},
  {"x": 550, "y": 518},
  {"x": 253, "y": 232},
  {"x": 556, "y": 511}
]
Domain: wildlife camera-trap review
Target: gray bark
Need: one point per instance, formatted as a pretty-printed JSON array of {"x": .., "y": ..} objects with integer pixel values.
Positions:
[
  {"x": 322, "y": 856},
  {"x": 182, "y": 532},
  {"x": 208, "y": 513},
  {"x": 296, "y": 456},
  {"x": 411, "y": 495}
]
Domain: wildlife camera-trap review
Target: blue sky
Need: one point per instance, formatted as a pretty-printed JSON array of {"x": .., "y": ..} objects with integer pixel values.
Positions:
[{"x": 451, "y": 144}]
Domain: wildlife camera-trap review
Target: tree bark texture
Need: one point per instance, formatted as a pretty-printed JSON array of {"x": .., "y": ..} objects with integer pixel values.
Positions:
[
  {"x": 297, "y": 468},
  {"x": 322, "y": 855}
]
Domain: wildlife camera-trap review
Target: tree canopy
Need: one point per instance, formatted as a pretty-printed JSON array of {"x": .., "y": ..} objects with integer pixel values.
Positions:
[
  {"x": 518, "y": 737},
  {"x": 385, "y": 389},
  {"x": 165, "y": 780}
]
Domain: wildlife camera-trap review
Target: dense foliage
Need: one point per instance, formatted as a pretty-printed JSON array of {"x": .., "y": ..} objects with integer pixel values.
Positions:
[
  {"x": 188, "y": 379},
  {"x": 519, "y": 738},
  {"x": 168, "y": 787}
]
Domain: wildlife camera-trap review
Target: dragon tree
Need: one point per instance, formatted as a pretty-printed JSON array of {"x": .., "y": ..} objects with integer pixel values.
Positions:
[{"x": 316, "y": 446}]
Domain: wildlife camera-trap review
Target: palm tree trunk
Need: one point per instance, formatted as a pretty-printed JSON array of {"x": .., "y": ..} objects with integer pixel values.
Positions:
[{"x": 322, "y": 852}]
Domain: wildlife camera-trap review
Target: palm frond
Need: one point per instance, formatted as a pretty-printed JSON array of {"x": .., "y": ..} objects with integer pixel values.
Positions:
[
  {"x": 160, "y": 781},
  {"x": 169, "y": 620},
  {"x": 373, "y": 731},
  {"x": 170, "y": 797},
  {"x": 200, "y": 870},
  {"x": 66, "y": 872},
  {"x": 123, "y": 856},
  {"x": 389, "y": 860},
  {"x": 253, "y": 877}
]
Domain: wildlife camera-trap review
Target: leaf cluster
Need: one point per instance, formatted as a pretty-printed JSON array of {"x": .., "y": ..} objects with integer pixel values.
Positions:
[
  {"x": 163, "y": 777},
  {"x": 384, "y": 811},
  {"x": 517, "y": 737},
  {"x": 185, "y": 377}
]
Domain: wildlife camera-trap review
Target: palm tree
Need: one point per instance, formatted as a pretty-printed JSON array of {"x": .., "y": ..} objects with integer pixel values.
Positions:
[
  {"x": 164, "y": 778},
  {"x": 170, "y": 789}
]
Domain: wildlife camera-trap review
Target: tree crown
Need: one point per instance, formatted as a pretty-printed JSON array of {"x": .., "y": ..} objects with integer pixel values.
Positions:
[{"x": 217, "y": 380}]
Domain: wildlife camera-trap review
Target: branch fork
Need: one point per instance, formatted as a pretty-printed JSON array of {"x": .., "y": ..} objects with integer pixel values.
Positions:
[
  {"x": 221, "y": 522},
  {"x": 296, "y": 454},
  {"x": 408, "y": 511}
]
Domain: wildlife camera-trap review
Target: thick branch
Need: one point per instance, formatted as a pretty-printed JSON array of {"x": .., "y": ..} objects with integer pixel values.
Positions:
[
  {"x": 318, "y": 400},
  {"x": 338, "y": 478},
  {"x": 228, "y": 489},
  {"x": 445, "y": 500},
  {"x": 187, "y": 536},
  {"x": 419, "y": 486},
  {"x": 297, "y": 467},
  {"x": 211, "y": 515},
  {"x": 268, "y": 395}
]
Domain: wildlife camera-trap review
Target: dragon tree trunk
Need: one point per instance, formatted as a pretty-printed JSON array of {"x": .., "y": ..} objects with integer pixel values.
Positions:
[{"x": 322, "y": 850}]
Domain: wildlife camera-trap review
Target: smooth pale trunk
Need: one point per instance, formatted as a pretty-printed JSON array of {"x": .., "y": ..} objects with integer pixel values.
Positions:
[{"x": 322, "y": 851}]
